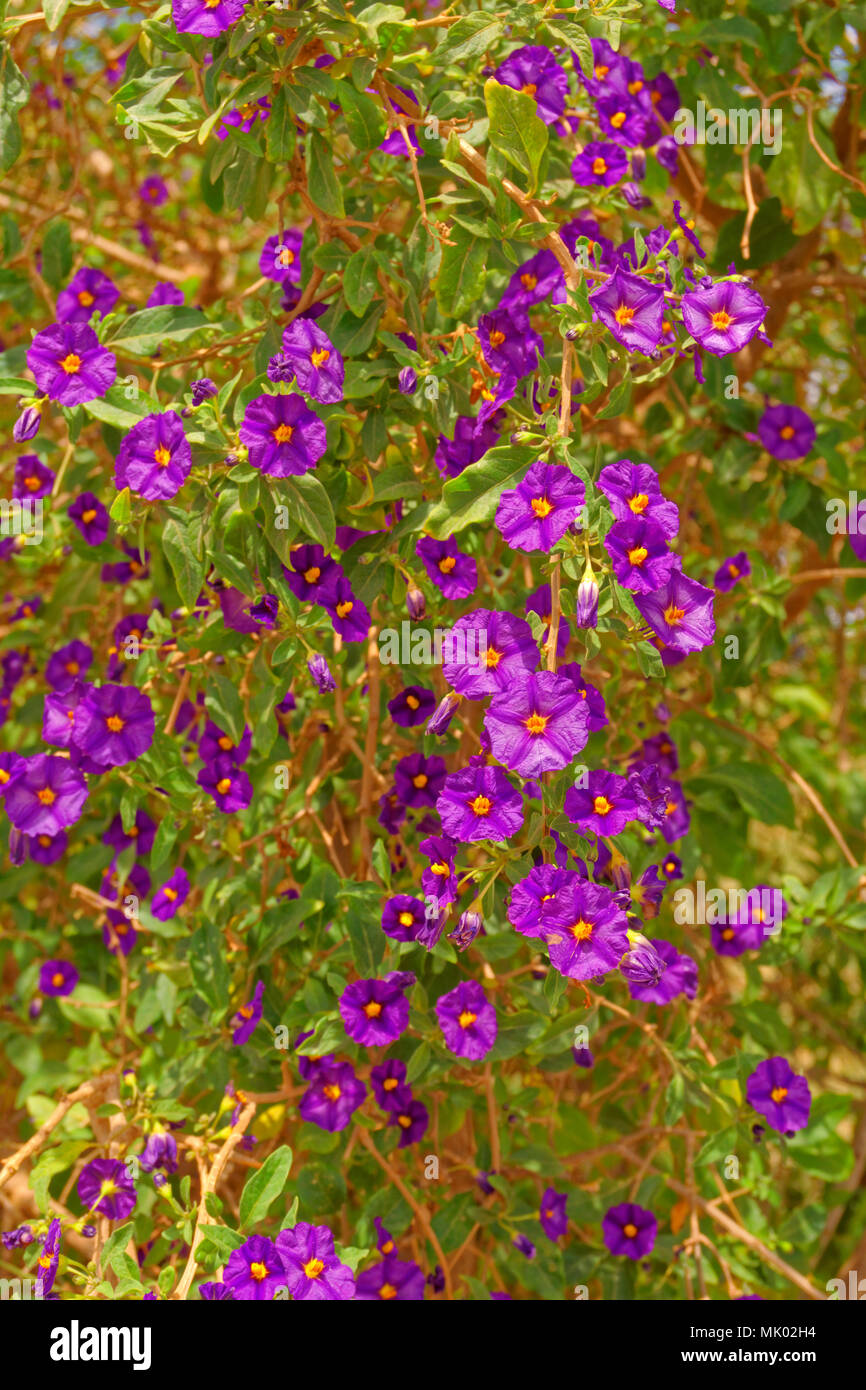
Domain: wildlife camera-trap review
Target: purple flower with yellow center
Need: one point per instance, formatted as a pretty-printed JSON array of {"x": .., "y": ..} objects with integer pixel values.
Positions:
[
  {"x": 385, "y": 1243},
  {"x": 208, "y": 17},
  {"x": 786, "y": 432},
  {"x": 480, "y": 803},
  {"x": 70, "y": 364},
  {"x": 776, "y": 1091},
  {"x": 349, "y": 615},
  {"x": 599, "y": 165},
  {"x": 537, "y": 726},
  {"x": 47, "y": 849},
  {"x": 46, "y": 1265},
  {"x": 255, "y": 1271},
  {"x": 538, "y": 512},
  {"x": 118, "y": 934},
  {"x": 312, "y": 1269},
  {"x": 68, "y": 665},
  {"x": 312, "y": 575},
  {"x": 388, "y": 1079},
  {"x": 412, "y": 706},
  {"x": 468, "y": 1020},
  {"x": 622, "y": 119},
  {"x": 723, "y": 317},
  {"x": 419, "y": 780},
  {"x": 537, "y": 279},
  {"x": 32, "y": 477},
  {"x": 639, "y": 553},
  {"x": 680, "y": 613},
  {"x": 376, "y": 1012},
  {"x": 44, "y": 794},
  {"x": 105, "y": 1186},
  {"x": 227, "y": 783},
  {"x": 332, "y": 1097},
  {"x": 731, "y": 571},
  {"x": 284, "y": 438},
  {"x": 633, "y": 491},
  {"x": 552, "y": 1215},
  {"x": 534, "y": 71},
  {"x": 484, "y": 651},
  {"x": 439, "y": 879},
  {"x": 57, "y": 978},
  {"x": 536, "y": 898},
  {"x": 317, "y": 365},
  {"x": 215, "y": 742},
  {"x": 281, "y": 257},
  {"x": 680, "y": 977},
  {"x": 403, "y": 917},
  {"x": 153, "y": 190},
  {"x": 629, "y": 1230},
  {"x": 590, "y": 933},
  {"x": 114, "y": 725},
  {"x": 171, "y": 896},
  {"x": 90, "y": 517},
  {"x": 411, "y": 1116},
  {"x": 154, "y": 458},
  {"x": 605, "y": 805},
  {"x": 596, "y": 717},
  {"x": 541, "y": 602},
  {"x": 509, "y": 343},
  {"x": 675, "y": 819},
  {"x": 248, "y": 1016},
  {"x": 88, "y": 292},
  {"x": 391, "y": 1280},
  {"x": 631, "y": 309},
  {"x": 451, "y": 571}
]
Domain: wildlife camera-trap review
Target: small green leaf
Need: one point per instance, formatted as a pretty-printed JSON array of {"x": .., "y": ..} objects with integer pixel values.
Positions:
[
  {"x": 263, "y": 1187},
  {"x": 516, "y": 130}
]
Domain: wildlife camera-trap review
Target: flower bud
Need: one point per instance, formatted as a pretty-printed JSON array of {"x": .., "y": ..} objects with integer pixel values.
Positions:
[
  {"x": 468, "y": 927},
  {"x": 407, "y": 380},
  {"x": 587, "y": 600},
  {"x": 201, "y": 389},
  {"x": 416, "y": 603},
  {"x": 320, "y": 671},
  {"x": 443, "y": 714},
  {"x": 27, "y": 424}
]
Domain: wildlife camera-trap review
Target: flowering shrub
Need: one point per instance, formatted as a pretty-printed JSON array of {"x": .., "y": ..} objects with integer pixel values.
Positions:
[{"x": 430, "y": 638}]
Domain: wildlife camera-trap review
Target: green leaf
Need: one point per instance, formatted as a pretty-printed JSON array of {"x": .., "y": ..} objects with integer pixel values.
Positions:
[
  {"x": 364, "y": 119},
  {"x": 16, "y": 386},
  {"x": 471, "y": 498},
  {"x": 264, "y": 1186},
  {"x": 310, "y": 506},
  {"x": 280, "y": 129},
  {"x": 120, "y": 509},
  {"x": 57, "y": 253},
  {"x": 366, "y": 939},
  {"x": 462, "y": 272},
  {"x": 14, "y": 93},
  {"x": 359, "y": 280},
  {"x": 142, "y": 333},
  {"x": 187, "y": 563},
  {"x": 324, "y": 186},
  {"x": 470, "y": 36},
  {"x": 762, "y": 794},
  {"x": 575, "y": 38},
  {"x": 516, "y": 130},
  {"x": 207, "y": 964},
  {"x": 225, "y": 706}
]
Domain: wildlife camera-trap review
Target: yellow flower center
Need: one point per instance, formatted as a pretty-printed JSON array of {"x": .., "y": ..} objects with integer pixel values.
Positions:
[
  {"x": 618, "y": 120},
  {"x": 582, "y": 931},
  {"x": 599, "y": 166},
  {"x": 733, "y": 571},
  {"x": 635, "y": 87},
  {"x": 88, "y": 516},
  {"x": 601, "y": 72},
  {"x": 529, "y": 89},
  {"x": 446, "y": 564},
  {"x": 282, "y": 434},
  {"x": 638, "y": 503},
  {"x": 162, "y": 456},
  {"x": 332, "y": 1092},
  {"x": 441, "y": 870},
  {"x": 404, "y": 1121},
  {"x": 420, "y": 780},
  {"x": 412, "y": 701},
  {"x": 57, "y": 979},
  {"x": 674, "y": 615},
  {"x": 319, "y": 356},
  {"x": 373, "y": 1008},
  {"x": 601, "y": 805},
  {"x": 312, "y": 574},
  {"x": 787, "y": 431},
  {"x": 345, "y": 608},
  {"x": 170, "y": 893},
  {"x": 314, "y": 1267},
  {"x": 630, "y": 1230},
  {"x": 467, "y": 1018},
  {"x": 493, "y": 657},
  {"x": 542, "y": 507},
  {"x": 721, "y": 320},
  {"x": 481, "y": 805},
  {"x": 258, "y": 1270},
  {"x": 224, "y": 785},
  {"x": 114, "y": 723},
  {"x": 528, "y": 281},
  {"x": 405, "y": 919},
  {"x": 536, "y": 723},
  {"x": 778, "y": 1094},
  {"x": 624, "y": 314},
  {"x": 225, "y": 742},
  {"x": 638, "y": 555},
  {"x": 497, "y": 338},
  {"x": 387, "y": 1291},
  {"x": 71, "y": 363}
]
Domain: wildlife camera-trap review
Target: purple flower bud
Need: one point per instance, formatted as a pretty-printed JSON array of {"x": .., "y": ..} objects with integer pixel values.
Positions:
[
  {"x": 320, "y": 671},
  {"x": 281, "y": 368},
  {"x": 587, "y": 600},
  {"x": 643, "y": 965},
  {"x": 525, "y": 1246},
  {"x": 416, "y": 603},
  {"x": 583, "y": 1057},
  {"x": 443, "y": 714},
  {"x": 230, "y": 460},
  {"x": 27, "y": 424},
  {"x": 407, "y": 380},
  {"x": 201, "y": 389},
  {"x": 468, "y": 927}
]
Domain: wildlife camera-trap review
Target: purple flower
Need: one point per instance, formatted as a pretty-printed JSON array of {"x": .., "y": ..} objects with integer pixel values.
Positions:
[
  {"x": 105, "y": 1186},
  {"x": 247, "y": 1017},
  {"x": 631, "y": 309},
  {"x": 209, "y": 17},
  {"x": 410, "y": 1116},
  {"x": 265, "y": 610},
  {"x": 32, "y": 477},
  {"x": 552, "y": 1214},
  {"x": 589, "y": 934},
  {"x": 28, "y": 422},
  {"x": 605, "y": 805},
  {"x": 412, "y": 706},
  {"x": 313, "y": 575},
  {"x": 472, "y": 438},
  {"x": 91, "y": 518},
  {"x": 255, "y": 1271},
  {"x": 47, "y": 849},
  {"x": 283, "y": 437},
  {"x": 280, "y": 259},
  {"x": 154, "y": 458},
  {"x": 599, "y": 165},
  {"x": 534, "y": 71},
  {"x": 451, "y": 571},
  {"x": 321, "y": 674},
  {"x": 114, "y": 725},
  {"x": 639, "y": 553},
  {"x": 227, "y": 783},
  {"x": 680, "y": 613},
  {"x": 153, "y": 190},
  {"x": 44, "y": 794},
  {"x": 786, "y": 432},
  {"x": 68, "y": 665},
  {"x": 780, "y": 1095},
  {"x": 468, "y": 1020},
  {"x": 480, "y": 803},
  {"x": 317, "y": 365},
  {"x": 536, "y": 898},
  {"x": 332, "y": 1097},
  {"x": 244, "y": 117},
  {"x": 160, "y": 1151},
  {"x": 57, "y": 978},
  {"x": 484, "y": 651},
  {"x": 388, "y": 1079},
  {"x": 469, "y": 926},
  {"x": 400, "y": 1280},
  {"x": 164, "y": 292},
  {"x": 349, "y": 615},
  {"x": 680, "y": 977},
  {"x": 622, "y": 119},
  {"x": 172, "y": 895},
  {"x": 419, "y": 780},
  {"x": 70, "y": 364},
  {"x": 586, "y": 605},
  {"x": 642, "y": 965},
  {"x": 633, "y": 491},
  {"x": 537, "y": 279},
  {"x": 439, "y": 879},
  {"x": 723, "y": 317},
  {"x": 202, "y": 389},
  {"x": 209, "y": 1290},
  {"x": 312, "y": 1269},
  {"x": 537, "y": 726},
  {"x": 46, "y": 1265},
  {"x": 407, "y": 381},
  {"x": 538, "y": 512},
  {"x": 730, "y": 571},
  {"x": 509, "y": 343},
  {"x": 88, "y": 292},
  {"x": 629, "y": 1230},
  {"x": 376, "y": 1012},
  {"x": 596, "y": 717}
]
